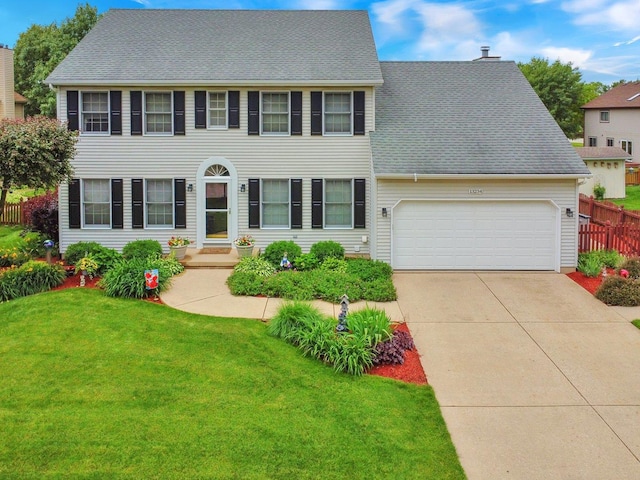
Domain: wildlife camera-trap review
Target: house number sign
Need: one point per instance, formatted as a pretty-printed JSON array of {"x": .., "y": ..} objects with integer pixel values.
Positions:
[{"x": 476, "y": 191}]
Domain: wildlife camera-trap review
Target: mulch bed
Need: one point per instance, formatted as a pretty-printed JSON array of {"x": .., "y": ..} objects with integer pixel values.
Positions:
[{"x": 590, "y": 284}]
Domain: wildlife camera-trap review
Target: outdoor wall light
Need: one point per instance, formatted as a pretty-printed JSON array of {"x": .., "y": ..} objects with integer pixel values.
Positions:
[
  {"x": 384, "y": 211},
  {"x": 190, "y": 187},
  {"x": 243, "y": 188},
  {"x": 569, "y": 212}
]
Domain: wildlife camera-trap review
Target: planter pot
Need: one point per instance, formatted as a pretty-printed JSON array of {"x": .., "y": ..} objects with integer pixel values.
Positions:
[
  {"x": 178, "y": 252},
  {"x": 244, "y": 250}
]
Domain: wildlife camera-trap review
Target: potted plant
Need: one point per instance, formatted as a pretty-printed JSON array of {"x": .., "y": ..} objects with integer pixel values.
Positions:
[
  {"x": 244, "y": 245},
  {"x": 178, "y": 246}
]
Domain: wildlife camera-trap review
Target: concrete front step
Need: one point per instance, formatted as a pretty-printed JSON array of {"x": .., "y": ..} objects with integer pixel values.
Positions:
[{"x": 205, "y": 258}]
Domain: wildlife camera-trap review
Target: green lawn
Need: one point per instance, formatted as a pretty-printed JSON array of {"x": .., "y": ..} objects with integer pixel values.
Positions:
[
  {"x": 10, "y": 236},
  {"x": 631, "y": 200},
  {"x": 95, "y": 387}
]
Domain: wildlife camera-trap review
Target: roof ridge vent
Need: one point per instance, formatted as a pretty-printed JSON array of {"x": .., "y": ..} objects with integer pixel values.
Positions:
[{"x": 633, "y": 97}]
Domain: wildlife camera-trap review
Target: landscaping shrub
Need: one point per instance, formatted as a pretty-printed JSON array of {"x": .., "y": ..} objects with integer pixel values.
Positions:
[
  {"x": 599, "y": 191},
  {"x": 318, "y": 338},
  {"x": 245, "y": 283},
  {"x": 13, "y": 256},
  {"x": 619, "y": 291},
  {"x": 257, "y": 265},
  {"x": 291, "y": 318},
  {"x": 33, "y": 244},
  {"x": 41, "y": 214},
  {"x": 172, "y": 264},
  {"x": 291, "y": 285},
  {"x": 332, "y": 285},
  {"x": 350, "y": 354},
  {"x": 632, "y": 265},
  {"x": 334, "y": 264},
  {"x": 31, "y": 277},
  {"x": 368, "y": 270},
  {"x": 371, "y": 323},
  {"x": 589, "y": 264},
  {"x": 276, "y": 250},
  {"x": 142, "y": 249},
  {"x": 306, "y": 261},
  {"x": 609, "y": 258},
  {"x": 391, "y": 352},
  {"x": 126, "y": 278},
  {"x": 381, "y": 290},
  {"x": 105, "y": 257},
  {"x": 327, "y": 248}
]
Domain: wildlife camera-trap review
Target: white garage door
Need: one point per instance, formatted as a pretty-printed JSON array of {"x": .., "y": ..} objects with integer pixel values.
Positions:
[{"x": 475, "y": 235}]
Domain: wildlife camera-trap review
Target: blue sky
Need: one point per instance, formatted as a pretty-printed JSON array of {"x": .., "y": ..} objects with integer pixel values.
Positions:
[{"x": 601, "y": 37}]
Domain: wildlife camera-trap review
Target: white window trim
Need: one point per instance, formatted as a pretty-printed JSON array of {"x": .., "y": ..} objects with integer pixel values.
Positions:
[
  {"x": 626, "y": 147},
  {"x": 82, "y": 204},
  {"x": 226, "y": 110},
  {"x": 173, "y": 203},
  {"x": 144, "y": 114},
  {"x": 595, "y": 140},
  {"x": 324, "y": 113},
  {"x": 608, "y": 116},
  {"x": 324, "y": 206},
  {"x": 81, "y": 114},
  {"x": 276, "y": 134},
  {"x": 610, "y": 140},
  {"x": 275, "y": 227}
]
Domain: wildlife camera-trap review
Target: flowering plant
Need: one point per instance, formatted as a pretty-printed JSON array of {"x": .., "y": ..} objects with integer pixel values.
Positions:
[
  {"x": 244, "y": 241},
  {"x": 178, "y": 241},
  {"x": 87, "y": 266}
]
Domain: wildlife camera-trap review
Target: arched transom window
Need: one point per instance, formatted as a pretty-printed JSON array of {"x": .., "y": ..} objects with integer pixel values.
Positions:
[{"x": 216, "y": 171}]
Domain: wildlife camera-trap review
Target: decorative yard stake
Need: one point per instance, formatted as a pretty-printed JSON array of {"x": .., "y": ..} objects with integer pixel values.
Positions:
[
  {"x": 342, "y": 316},
  {"x": 48, "y": 244},
  {"x": 285, "y": 264}
]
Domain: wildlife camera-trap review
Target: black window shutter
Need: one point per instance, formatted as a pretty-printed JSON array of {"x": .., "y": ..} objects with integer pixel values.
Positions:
[
  {"x": 316, "y": 203},
  {"x": 178, "y": 113},
  {"x": 234, "y": 108},
  {"x": 74, "y": 203},
  {"x": 253, "y": 101},
  {"x": 180, "y": 201},
  {"x": 316, "y": 113},
  {"x": 137, "y": 203},
  {"x": 359, "y": 207},
  {"x": 116, "y": 112},
  {"x": 117, "y": 210},
  {"x": 200, "y": 100},
  {"x": 254, "y": 203},
  {"x": 72, "y": 110},
  {"x": 358, "y": 112},
  {"x": 296, "y": 203},
  {"x": 296, "y": 113},
  {"x": 136, "y": 112}
]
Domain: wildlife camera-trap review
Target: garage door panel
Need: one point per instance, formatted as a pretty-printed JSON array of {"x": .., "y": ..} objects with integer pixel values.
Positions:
[{"x": 487, "y": 235}]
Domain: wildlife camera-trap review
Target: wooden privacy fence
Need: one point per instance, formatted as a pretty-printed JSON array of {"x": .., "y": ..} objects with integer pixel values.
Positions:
[
  {"x": 632, "y": 177},
  {"x": 624, "y": 238},
  {"x": 603, "y": 212},
  {"x": 13, "y": 214}
]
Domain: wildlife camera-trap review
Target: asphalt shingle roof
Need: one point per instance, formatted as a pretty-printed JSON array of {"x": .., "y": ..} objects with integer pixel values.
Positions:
[
  {"x": 604, "y": 153},
  {"x": 447, "y": 118},
  {"x": 626, "y": 95},
  {"x": 217, "y": 46}
]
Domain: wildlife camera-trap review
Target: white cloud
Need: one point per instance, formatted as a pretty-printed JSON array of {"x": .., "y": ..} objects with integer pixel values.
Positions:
[
  {"x": 629, "y": 42},
  {"x": 145, "y": 3},
  {"x": 320, "y": 5},
  {"x": 619, "y": 15},
  {"x": 578, "y": 58}
]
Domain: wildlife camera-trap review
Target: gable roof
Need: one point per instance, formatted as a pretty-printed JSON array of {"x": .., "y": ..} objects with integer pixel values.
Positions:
[
  {"x": 466, "y": 118},
  {"x": 626, "y": 95},
  {"x": 18, "y": 98},
  {"x": 209, "y": 47},
  {"x": 602, "y": 153}
]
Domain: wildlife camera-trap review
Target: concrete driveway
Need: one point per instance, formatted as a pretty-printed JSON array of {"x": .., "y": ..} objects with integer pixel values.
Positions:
[{"x": 536, "y": 378}]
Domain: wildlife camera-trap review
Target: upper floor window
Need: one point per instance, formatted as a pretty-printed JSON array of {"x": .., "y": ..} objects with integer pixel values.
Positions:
[
  {"x": 627, "y": 146},
  {"x": 593, "y": 141},
  {"x": 96, "y": 202},
  {"x": 337, "y": 113},
  {"x": 158, "y": 113},
  {"x": 338, "y": 203},
  {"x": 275, "y": 203},
  {"x": 604, "y": 115},
  {"x": 217, "y": 109},
  {"x": 609, "y": 142},
  {"x": 159, "y": 203},
  {"x": 95, "y": 112},
  {"x": 275, "y": 113}
]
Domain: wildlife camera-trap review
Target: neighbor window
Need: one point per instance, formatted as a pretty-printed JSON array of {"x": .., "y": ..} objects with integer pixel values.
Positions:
[
  {"x": 96, "y": 203},
  {"x": 159, "y": 203},
  {"x": 217, "y": 109},
  {"x": 275, "y": 203},
  {"x": 95, "y": 112},
  {"x": 337, "y": 113},
  {"x": 338, "y": 203},
  {"x": 604, "y": 116},
  {"x": 275, "y": 113},
  {"x": 593, "y": 141},
  {"x": 609, "y": 142},
  {"x": 158, "y": 112},
  {"x": 627, "y": 146}
]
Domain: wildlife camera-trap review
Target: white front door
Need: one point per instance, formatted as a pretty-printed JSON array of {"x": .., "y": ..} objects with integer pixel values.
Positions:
[
  {"x": 217, "y": 212},
  {"x": 217, "y": 189}
]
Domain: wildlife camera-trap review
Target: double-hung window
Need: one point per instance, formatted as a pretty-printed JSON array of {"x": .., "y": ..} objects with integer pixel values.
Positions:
[
  {"x": 159, "y": 203},
  {"x": 96, "y": 203},
  {"x": 604, "y": 115},
  {"x": 593, "y": 141},
  {"x": 275, "y": 203},
  {"x": 275, "y": 113},
  {"x": 609, "y": 142},
  {"x": 338, "y": 203},
  {"x": 337, "y": 113},
  {"x": 158, "y": 113},
  {"x": 627, "y": 146},
  {"x": 217, "y": 110},
  {"x": 94, "y": 112}
]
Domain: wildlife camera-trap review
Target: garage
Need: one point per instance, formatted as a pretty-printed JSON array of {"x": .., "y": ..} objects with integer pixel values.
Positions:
[{"x": 475, "y": 235}]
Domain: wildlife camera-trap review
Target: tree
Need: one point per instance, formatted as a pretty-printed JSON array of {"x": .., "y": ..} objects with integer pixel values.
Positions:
[
  {"x": 592, "y": 90},
  {"x": 560, "y": 88},
  {"x": 34, "y": 153},
  {"x": 40, "y": 49}
]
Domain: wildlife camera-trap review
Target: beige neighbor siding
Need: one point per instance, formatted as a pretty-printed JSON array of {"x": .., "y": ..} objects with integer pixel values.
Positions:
[
  {"x": 608, "y": 173},
  {"x": 303, "y": 157},
  {"x": 623, "y": 124},
  {"x": 562, "y": 192}
]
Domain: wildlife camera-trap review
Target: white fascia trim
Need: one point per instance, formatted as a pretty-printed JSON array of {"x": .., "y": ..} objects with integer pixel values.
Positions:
[
  {"x": 478, "y": 176},
  {"x": 222, "y": 83}
]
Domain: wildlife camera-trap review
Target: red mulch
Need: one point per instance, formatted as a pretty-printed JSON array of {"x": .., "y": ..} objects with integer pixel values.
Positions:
[
  {"x": 410, "y": 371},
  {"x": 590, "y": 284}
]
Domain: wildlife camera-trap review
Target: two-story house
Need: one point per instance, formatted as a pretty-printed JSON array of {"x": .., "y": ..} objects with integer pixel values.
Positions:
[
  {"x": 11, "y": 102},
  {"x": 285, "y": 125}
]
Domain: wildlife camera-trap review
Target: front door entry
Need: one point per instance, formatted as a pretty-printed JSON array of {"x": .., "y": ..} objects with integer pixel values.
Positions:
[{"x": 217, "y": 210}]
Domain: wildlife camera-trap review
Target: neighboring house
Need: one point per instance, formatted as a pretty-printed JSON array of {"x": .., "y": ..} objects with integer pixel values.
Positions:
[
  {"x": 284, "y": 125},
  {"x": 607, "y": 165},
  {"x": 613, "y": 119},
  {"x": 11, "y": 102}
]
